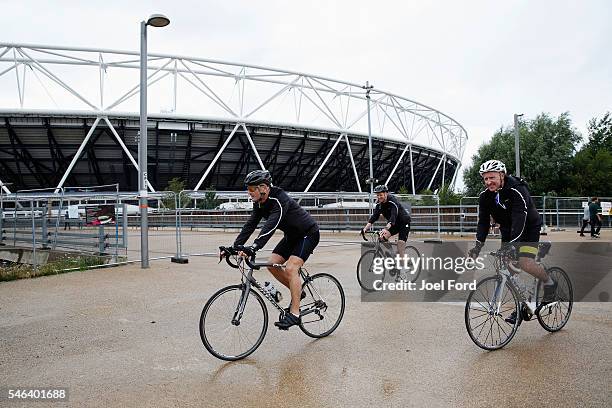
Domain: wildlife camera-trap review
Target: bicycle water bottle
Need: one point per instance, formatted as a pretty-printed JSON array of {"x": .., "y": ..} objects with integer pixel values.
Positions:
[{"x": 272, "y": 291}]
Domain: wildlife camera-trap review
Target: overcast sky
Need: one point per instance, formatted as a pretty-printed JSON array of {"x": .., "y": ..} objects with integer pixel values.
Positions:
[{"x": 477, "y": 61}]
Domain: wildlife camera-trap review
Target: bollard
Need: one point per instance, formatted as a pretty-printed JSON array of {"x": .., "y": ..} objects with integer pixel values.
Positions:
[
  {"x": 1, "y": 226},
  {"x": 124, "y": 226},
  {"x": 101, "y": 239},
  {"x": 438, "y": 205},
  {"x": 544, "y": 227},
  {"x": 44, "y": 229},
  {"x": 461, "y": 216},
  {"x": 178, "y": 225},
  {"x": 35, "y": 263},
  {"x": 558, "y": 226}
]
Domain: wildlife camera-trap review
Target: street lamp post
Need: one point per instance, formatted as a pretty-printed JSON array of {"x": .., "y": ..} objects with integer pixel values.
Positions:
[
  {"x": 517, "y": 156},
  {"x": 155, "y": 20},
  {"x": 371, "y": 181}
]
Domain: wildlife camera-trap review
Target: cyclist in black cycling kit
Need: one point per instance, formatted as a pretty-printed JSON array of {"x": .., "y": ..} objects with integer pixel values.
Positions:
[
  {"x": 301, "y": 236},
  {"x": 507, "y": 200},
  {"x": 398, "y": 219}
]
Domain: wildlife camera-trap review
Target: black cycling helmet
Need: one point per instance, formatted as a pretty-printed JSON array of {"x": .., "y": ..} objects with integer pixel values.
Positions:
[
  {"x": 381, "y": 188},
  {"x": 257, "y": 177}
]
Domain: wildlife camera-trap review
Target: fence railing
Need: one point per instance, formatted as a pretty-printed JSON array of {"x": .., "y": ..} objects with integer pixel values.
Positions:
[{"x": 64, "y": 220}]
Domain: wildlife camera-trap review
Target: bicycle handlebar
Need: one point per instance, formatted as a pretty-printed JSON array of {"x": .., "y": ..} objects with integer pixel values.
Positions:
[
  {"x": 375, "y": 234},
  {"x": 231, "y": 251},
  {"x": 226, "y": 252}
]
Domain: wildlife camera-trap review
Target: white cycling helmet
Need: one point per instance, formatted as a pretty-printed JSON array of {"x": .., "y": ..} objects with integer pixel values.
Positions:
[{"x": 492, "y": 165}]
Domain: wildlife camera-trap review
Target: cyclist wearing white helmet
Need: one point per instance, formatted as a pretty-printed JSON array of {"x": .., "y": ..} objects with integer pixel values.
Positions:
[{"x": 507, "y": 200}]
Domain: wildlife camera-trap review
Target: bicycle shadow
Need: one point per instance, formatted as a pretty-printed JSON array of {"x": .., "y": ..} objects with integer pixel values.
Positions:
[{"x": 224, "y": 370}]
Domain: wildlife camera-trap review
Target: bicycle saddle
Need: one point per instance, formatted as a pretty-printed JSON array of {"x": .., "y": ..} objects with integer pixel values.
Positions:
[{"x": 543, "y": 249}]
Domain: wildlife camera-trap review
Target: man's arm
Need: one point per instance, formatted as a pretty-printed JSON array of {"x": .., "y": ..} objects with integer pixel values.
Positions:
[
  {"x": 375, "y": 215},
  {"x": 599, "y": 212},
  {"x": 277, "y": 213},
  {"x": 249, "y": 227},
  {"x": 484, "y": 219}
]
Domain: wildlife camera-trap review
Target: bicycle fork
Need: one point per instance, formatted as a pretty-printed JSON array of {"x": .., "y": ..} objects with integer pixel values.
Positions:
[{"x": 244, "y": 296}]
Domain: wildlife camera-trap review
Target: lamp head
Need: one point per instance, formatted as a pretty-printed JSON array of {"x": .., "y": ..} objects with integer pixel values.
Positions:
[{"x": 158, "y": 20}]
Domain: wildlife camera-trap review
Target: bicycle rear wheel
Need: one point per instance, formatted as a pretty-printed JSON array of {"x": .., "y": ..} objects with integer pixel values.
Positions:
[
  {"x": 413, "y": 253},
  {"x": 485, "y": 316},
  {"x": 365, "y": 273},
  {"x": 553, "y": 318},
  {"x": 325, "y": 301},
  {"x": 224, "y": 336}
]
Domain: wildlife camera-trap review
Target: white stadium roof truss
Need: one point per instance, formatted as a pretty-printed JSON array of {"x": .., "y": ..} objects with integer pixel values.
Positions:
[{"x": 208, "y": 89}]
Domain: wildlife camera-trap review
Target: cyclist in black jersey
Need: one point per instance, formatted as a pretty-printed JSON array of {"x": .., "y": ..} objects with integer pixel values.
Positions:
[
  {"x": 508, "y": 201},
  {"x": 301, "y": 236},
  {"x": 398, "y": 220}
]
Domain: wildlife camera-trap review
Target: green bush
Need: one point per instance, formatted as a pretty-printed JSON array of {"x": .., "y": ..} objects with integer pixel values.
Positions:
[{"x": 66, "y": 264}]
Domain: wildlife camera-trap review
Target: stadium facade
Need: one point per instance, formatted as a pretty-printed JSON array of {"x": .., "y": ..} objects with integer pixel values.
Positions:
[{"x": 69, "y": 117}]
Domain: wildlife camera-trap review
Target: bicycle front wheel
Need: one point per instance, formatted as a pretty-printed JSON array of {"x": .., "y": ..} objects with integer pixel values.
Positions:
[
  {"x": 323, "y": 305},
  {"x": 485, "y": 315},
  {"x": 365, "y": 271},
  {"x": 413, "y": 253},
  {"x": 225, "y": 333},
  {"x": 553, "y": 318}
]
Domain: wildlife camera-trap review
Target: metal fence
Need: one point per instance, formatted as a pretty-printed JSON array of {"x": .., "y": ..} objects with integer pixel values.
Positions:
[
  {"x": 185, "y": 224},
  {"x": 557, "y": 213},
  {"x": 41, "y": 226}
]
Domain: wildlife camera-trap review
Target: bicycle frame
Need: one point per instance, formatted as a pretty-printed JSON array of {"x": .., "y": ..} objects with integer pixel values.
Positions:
[
  {"x": 246, "y": 269},
  {"x": 504, "y": 268},
  {"x": 379, "y": 248}
]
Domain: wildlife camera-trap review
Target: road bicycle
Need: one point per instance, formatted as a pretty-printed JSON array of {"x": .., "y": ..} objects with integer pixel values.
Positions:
[
  {"x": 365, "y": 266},
  {"x": 234, "y": 320},
  {"x": 489, "y": 308}
]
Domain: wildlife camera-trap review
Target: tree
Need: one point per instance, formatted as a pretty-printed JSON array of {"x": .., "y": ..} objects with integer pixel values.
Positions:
[
  {"x": 403, "y": 190},
  {"x": 592, "y": 165},
  {"x": 448, "y": 196},
  {"x": 175, "y": 185},
  {"x": 547, "y": 150},
  {"x": 210, "y": 200},
  {"x": 428, "y": 199}
]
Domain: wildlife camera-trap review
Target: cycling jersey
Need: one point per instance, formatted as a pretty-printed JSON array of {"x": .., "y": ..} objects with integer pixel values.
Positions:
[
  {"x": 513, "y": 209},
  {"x": 280, "y": 212},
  {"x": 392, "y": 210}
]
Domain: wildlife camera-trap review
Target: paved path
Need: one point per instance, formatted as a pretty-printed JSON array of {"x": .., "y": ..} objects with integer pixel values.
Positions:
[{"x": 128, "y": 337}]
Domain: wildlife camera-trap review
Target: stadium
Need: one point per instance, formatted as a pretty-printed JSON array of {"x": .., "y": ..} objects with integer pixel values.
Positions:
[{"x": 70, "y": 117}]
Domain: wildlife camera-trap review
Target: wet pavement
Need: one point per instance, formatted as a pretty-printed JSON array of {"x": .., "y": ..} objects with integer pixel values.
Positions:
[{"x": 129, "y": 337}]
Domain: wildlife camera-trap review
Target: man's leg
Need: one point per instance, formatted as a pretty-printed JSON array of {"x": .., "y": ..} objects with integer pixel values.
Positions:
[
  {"x": 278, "y": 273},
  {"x": 598, "y": 226},
  {"x": 531, "y": 267},
  {"x": 292, "y": 275},
  {"x": 299, "y": 254},
  {"x": 584, "y": 224},
  {"x": 294, "y": 282},
  {"x": 593, "y": 226},
  {"x": 401, "y": 248}
]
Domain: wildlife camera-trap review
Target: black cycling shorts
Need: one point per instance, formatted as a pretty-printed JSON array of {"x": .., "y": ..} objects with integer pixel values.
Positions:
[
  {"x": 401, "y": 229},
  {"x": 301, "y": 247},
  {"x": 527, "y": 244}
]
